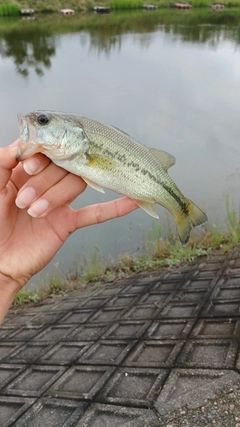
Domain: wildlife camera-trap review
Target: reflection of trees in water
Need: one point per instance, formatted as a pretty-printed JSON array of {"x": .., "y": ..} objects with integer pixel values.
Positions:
[
  {"x": 103, "y": 42},
  {"x": 32, "y": 46},
  {"x": 29, "y": 50},
  {"x": 106, "y": 42},
  {"x": 195, "y": 28}
]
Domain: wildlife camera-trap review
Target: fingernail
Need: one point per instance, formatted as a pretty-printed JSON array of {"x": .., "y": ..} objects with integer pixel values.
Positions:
[
  {"x": 32, "y": 166},
  {"x": 38, "y": 208},
  {"x": 25, "y": 198}
]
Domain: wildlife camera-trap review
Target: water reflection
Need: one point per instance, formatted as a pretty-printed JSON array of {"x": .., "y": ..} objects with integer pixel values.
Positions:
[
  {"x": 33, "y": 44},
  {"x": 29, "y": 49},
  {"x": 169, "y": 79}
]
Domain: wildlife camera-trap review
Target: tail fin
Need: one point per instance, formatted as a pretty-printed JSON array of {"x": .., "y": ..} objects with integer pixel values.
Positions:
[{"x": 185, "y": 223}]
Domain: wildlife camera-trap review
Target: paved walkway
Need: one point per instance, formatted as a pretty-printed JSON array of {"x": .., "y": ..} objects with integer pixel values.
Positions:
[{"x": 126, "y": 354}]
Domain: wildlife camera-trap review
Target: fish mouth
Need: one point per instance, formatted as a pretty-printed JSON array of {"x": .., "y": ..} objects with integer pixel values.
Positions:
[{"x": 27, "y": 135}]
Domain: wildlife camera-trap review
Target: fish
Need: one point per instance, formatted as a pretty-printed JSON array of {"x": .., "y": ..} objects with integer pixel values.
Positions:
[{"x": 105, "y": 156}]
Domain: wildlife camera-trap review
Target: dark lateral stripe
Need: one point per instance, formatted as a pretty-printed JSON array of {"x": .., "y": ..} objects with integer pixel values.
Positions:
[
  {"x": 122, "y": 158},
  {"x": 182, "y": 204}
]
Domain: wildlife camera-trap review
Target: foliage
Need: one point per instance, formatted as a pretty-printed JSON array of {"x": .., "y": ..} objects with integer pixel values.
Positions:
[
  {"x": 200, "y": 3},
  {"x": 161, "y": 253},
  {"x": 232, "y": 3},
  {"x": 233, "y": 222},
  {"x": 9, "y": 10},
  {"x": 126, "y": 4},
  {"x": 95, "y": 266}
]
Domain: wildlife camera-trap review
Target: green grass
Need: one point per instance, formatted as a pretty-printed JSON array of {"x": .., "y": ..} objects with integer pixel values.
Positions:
[
  {"x": 126, "y": 4},
  {"x": 9, "y": 10},
  {"x": 232, "y": 3},
  {"x": 200, "y": 3},
  {"x": 161, "y": 253},
  {"x": 43, "y": 6}
]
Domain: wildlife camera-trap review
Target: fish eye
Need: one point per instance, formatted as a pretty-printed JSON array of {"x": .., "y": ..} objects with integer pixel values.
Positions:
[{"x": 43, "y": 119}]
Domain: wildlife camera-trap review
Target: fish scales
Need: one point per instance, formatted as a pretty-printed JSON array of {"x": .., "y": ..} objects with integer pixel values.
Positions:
[
  {"x": 129, "y": 157},
  {"x": 104, "y": 156}
]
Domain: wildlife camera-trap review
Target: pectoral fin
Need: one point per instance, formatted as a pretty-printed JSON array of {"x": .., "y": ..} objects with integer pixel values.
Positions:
[
  {"x": 148, "y": 207},
  {"x": 165, "y": 158},
  {"x": 94, "y": 185}
]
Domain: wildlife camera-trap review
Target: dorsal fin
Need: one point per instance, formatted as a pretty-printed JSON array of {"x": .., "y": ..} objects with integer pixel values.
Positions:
[{"x": 165, "y": 158}]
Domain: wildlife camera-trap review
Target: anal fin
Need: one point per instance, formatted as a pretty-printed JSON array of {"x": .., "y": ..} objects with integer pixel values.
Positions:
[
  {"x": 94, "y": 185},
  {"x": 149, "y": 208}
]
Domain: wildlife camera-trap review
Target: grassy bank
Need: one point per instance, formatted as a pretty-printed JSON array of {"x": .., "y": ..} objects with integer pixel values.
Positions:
[
  {"x": 9, "y": 10},
  {"x": 160, "y": 254},
  {"x": 13, "y": 7}
]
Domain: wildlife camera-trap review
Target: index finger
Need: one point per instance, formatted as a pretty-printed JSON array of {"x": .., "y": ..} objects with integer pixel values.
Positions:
[{"x": 101, "y": 212}]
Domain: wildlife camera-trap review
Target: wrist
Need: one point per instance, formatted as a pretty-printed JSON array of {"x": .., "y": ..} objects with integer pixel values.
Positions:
[{"x": 8, "y": 290}]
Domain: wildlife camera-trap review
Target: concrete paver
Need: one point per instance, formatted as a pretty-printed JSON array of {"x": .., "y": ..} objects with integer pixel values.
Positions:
[{"x": 127, "y": 354}]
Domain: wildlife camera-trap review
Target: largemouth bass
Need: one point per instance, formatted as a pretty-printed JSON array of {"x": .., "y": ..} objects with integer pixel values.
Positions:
[{"x": 104, "y": 156}]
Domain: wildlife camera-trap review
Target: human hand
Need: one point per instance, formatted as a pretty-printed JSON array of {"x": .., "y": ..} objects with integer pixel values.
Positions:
[{"x": 34, "y": 228}]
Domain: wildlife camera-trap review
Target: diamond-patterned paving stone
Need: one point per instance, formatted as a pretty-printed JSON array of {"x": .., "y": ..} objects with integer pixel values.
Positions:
[
  {"x": 5, "y": 331},
  {"x": 128, "y": 329},
  {"x": 88, "y": 331},
  {"x": 165, "y": 286},
  {"x": 95, "y": 302},
  {"x": 231, "y": 281},
  {"x": 29, "y": 352},
  {"x": 233, "y": 271},
  {"x": 216, "y": 328},
  {"x": 144, "y": 311},
  {"x": 210, "y": 266},
  {"x": 226, "y": 292},
  {"x": 133, "y": 387},
  {"x": 7, "y": 318},
  {"x": 52, "y": 413},
  {"x": 149, "y": 278},
  {"x": 154, "y": 354},
  {"x": 208, "y": 354},
  {"x": 66, "y": 305},
  {"x": 107, "y": 352},
  {"x": 6, "y": 349},
  {"x": 192, "y": 295},
  {"x": 192, "y": 387},
  {"x": 150, "y": 340},
  {"x": 115, "y": 416},
  {"x": 122, "y": 300},
  {"x": 54, "y": 333},
  {"x": 34, "y": 381},
  {"x": 64, "y": 353},
  {"x": 202, "y": 274},
  {"x": 8, "y": 372},
  {"x": 226, "y": 308},
  {"x": 24, "y": 333},
  {"x": 47, "y": 318},
  {"x": 137, "y": 289},
  {"x": 172, "y": 276},
  {"x": 12, "y": 408},
  {"x": 156, "y": 298},
  {"x": 198, "y": 284},
  {"x": 23, "y": 319},
  {"x": 77, "y": 316},
  {"x": 109, "y": 291},
  {"x": 169, "y": 329},
  {"x": 81, "y": 382},
  {"x": 180, "y": 310},
  {"x": 107, "y": 314}
]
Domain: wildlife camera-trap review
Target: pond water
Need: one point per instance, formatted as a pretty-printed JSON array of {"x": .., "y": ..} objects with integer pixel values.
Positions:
[{"x": 170, "y": 79}]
